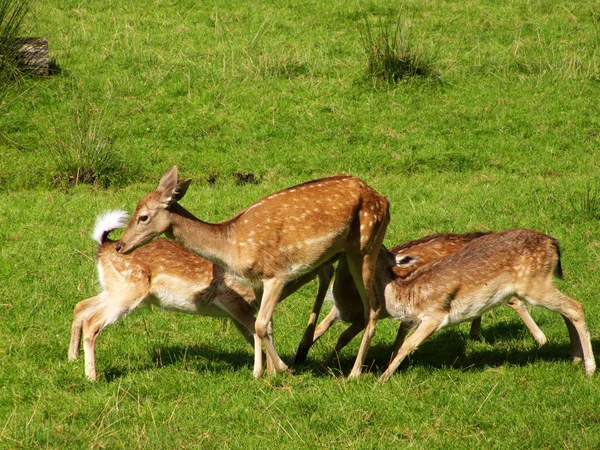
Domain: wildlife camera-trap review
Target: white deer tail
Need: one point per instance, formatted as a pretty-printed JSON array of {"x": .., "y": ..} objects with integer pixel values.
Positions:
[{"x": 107, "y": 222}]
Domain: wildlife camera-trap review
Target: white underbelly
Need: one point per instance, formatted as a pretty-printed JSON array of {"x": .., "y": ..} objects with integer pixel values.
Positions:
[
  {"x": 192, "y": 302},
  {"x": 471, "y": 307}
]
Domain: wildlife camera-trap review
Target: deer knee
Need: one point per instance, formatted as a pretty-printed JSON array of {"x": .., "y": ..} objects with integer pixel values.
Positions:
[{"x": 261, "y": 328}]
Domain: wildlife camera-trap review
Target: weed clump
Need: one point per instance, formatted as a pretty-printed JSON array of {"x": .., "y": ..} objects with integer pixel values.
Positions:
[
  {"x": 587, "y": 203},
  {"x": 391, "y": 55},
  {"x": 12, "y": 13},
  {"x": 87, "y": 152}
]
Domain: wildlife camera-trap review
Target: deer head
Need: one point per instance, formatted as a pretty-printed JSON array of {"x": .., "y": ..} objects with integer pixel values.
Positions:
[{"x": 151, "y": 217}]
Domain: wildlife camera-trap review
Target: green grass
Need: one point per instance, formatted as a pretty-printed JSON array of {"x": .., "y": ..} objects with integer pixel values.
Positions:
[{"x": 507, "y": 137}]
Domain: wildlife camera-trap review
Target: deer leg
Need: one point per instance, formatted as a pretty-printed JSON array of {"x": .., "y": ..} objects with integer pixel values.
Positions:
[
  {"x": 326, "y": 323},
  {"x": 533, "y": 328},
  {"x": 81, "y": 311},
  {"x": 400, "y": 336},
  {"x": 575, "y": 348},
  {"x": 247, "y": 334},
  {"x": 241, "y": 313},
  {"x": 343, "y": 340},
  {"x": 272, "y": 291},
  {"x": 109, "y": 309},
  {"x": 91, "y": 328},
  {"x": 365, "y": 279},
  {"x": 423, "y": 331},
  {"x": 325, "y": 276},
  {"x": 475, "y": 332},
  {"x": 572, "y": 313}
]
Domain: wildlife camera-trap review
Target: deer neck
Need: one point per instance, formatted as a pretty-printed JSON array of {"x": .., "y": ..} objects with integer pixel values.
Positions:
[{"x": 211, "y": 241}]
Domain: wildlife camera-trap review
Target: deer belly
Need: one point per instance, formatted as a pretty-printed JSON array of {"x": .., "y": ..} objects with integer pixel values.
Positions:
[
  {"x": 470, "y": 307},
  {"x": 188, "y": 298}
]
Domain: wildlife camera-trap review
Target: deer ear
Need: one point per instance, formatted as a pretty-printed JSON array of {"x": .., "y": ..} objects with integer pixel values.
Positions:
[
  {"x": 168, "y": 180},
  {"x": 406, "y": 260},
  {"x": 174, "y": 194},
  {"x": 181, "y": 189}
]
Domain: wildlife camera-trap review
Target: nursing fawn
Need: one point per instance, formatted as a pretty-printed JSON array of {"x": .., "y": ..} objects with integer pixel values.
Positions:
[
  {"x": 485, "y": 273},
  {"x": 409, "y": 256},
  {"x": 163, "y": 273}
]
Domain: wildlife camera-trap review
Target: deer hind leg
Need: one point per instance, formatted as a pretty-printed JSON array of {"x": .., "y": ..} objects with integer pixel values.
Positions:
[
  {"x": 572, "y": 313},
  {"x": 523, "y": 312},
  {"x": 576, "y": 348},
  {"x": 109, "y": 309},
  {"x": 475, "y": 332},
  {"x": 363, "y": 272},
  {"x": 325, "y": 276},
  {"x": 271, "y": 293},
  {"x": 423, "y": 331},
  {"x": 241, "y": 314},
  {"x": 533, "y": 328},
  {"x": 343, "y": 340},
  {"x": 83, "y": 309}
]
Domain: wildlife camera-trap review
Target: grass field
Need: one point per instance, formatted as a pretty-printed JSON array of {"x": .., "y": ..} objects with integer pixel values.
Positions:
[{"x": 504, "y": 133}]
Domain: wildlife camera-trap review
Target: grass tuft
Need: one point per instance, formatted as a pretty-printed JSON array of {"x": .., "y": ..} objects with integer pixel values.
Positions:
[
  {"x": 587, "y": 203},
  {"x": 12, "y": 13},
  {"x": 87, "y": 152},
  {"x": 391, "y": 53}
]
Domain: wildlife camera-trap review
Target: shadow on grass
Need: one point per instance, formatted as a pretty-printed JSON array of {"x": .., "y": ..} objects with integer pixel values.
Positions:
[
  {"x": 197, "y": 358},
  {"x": 451, "y": 348},
  {"x": 207, "y": 356},
  {"x": 502, "y": 344}
]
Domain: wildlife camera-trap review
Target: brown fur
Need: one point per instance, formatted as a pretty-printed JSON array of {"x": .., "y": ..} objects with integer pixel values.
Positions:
[
  {"x": 279, "y": 239},
  {"x": 485, "y": 273},
  {"x": 422, "y": 251},
  {"x": 161, "y": 268}
]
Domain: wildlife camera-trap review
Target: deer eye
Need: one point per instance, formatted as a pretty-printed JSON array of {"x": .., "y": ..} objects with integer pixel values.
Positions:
[{"x": 143, "y": 219}]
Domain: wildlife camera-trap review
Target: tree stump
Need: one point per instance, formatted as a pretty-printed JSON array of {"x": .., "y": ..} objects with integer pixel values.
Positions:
[{"x": 33, "y": 56}]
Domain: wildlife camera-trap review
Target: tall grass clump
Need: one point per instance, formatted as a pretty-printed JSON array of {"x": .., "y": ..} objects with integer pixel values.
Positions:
[
  {"x": 12, "y": 13},
  {"x": 587, "y": 203},
  {"x": 391, "y": 53},
  {"x": 87, "y": 152}
]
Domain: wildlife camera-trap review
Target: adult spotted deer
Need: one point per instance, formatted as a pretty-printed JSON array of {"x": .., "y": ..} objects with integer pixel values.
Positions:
[
  {"x": 409, "y": 256},
  {"x": 278, "y": 240},
  {"x": 484, "y": 274},
  {"x": 163, "y": 273}
]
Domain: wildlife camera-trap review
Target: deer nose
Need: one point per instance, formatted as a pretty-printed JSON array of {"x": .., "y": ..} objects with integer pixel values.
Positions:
[{"x": 118, "y": 247}]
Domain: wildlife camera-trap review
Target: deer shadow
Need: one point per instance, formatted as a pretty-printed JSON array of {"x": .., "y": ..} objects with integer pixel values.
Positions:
[
  {"x": 451, "y": 349},
  {"x": 199, "y": 357}
]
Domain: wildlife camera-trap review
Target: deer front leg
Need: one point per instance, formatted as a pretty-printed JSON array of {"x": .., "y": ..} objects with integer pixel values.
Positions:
[
  {"x": 533, "y": 328},
  {"x": 271, "y": 293},
  {"x": 423, "y": 331},
  {"x": 403, "y": 330}
]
